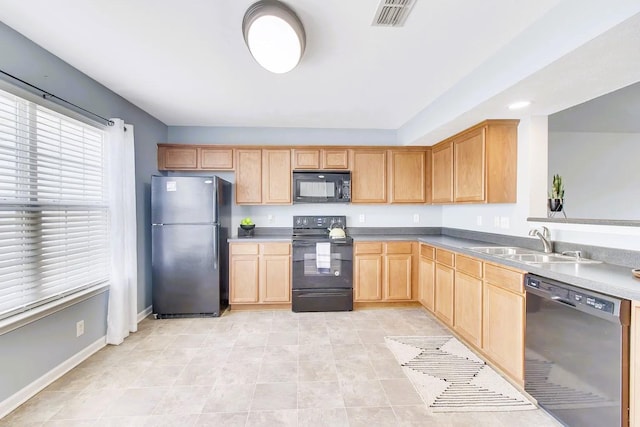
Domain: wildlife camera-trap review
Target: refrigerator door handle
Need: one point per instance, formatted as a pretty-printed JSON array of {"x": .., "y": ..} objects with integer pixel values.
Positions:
[{"x": 215, "y": 247}]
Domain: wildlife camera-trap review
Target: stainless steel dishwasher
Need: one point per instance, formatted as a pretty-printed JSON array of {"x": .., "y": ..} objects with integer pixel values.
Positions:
[{"x": 577, "y": 353}]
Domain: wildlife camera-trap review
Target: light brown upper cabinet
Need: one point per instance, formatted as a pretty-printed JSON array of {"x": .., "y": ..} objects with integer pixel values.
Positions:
[
  {"x": 485, "y": 163},
  {"x": 248, "y": 176},
  {"x": 368, "y": 176},
  {"x": 320, "y": 158},
  {"x": 216, "y": 158},
  {"x": 407, "y": 176},
  {"x": 263, "y": 176},
  {"x": 478, "y": 165},
  {"x": 336, "y": 158},
  {"x": 194, "y": 157},
  {"x": 177, "y": 158},
  {"x": 276, "y": 177},
  {"x": 442, "y": 172},
  {"x": 305, "y": 159}
]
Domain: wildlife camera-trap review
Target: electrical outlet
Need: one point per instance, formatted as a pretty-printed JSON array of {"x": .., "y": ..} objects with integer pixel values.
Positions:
[
  {"x": 79, "y": 328},
  {"x": 270, "y": 218},
  {"x": 361, "y": 218},
  {"x": 416, "y": 218},
  {"x": 504, "y": 222},
  {"x": 496, "y": 221},
  {"x": 478, "y": 220}
]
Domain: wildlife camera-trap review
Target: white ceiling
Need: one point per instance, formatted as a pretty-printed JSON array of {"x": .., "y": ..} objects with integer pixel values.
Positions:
[{"x": 185, "y": 62}]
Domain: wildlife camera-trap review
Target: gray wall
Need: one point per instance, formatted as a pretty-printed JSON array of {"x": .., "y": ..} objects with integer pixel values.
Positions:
[
  {"x": 26, "y": 60},
  {"x": 280, "y": 136},
  {"x": 595, "y": 147},
  {"x": 600, "y": 173},
  {"x": 35, "y": 349}
]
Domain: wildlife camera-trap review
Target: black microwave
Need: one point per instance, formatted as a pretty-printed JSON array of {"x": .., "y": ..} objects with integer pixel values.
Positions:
[{"x": 321, "y": 187}]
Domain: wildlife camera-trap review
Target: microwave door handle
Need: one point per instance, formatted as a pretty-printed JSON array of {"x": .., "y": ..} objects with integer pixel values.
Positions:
[{"x": 340, "y": 189}]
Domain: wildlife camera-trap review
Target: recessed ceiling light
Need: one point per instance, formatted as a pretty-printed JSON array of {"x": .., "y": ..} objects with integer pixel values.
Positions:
[{"x": 518, "y": 105}]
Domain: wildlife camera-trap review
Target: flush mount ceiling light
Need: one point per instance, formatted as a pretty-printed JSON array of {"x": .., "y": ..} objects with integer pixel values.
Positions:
[
  {"x": 518, "y": 105},
  {"x": 274, "y": 35}
]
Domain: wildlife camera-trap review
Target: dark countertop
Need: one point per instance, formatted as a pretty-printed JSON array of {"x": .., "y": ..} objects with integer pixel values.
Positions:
[
  {"x": 258, "y": 239},
  {"x": 610, "y": 279}
]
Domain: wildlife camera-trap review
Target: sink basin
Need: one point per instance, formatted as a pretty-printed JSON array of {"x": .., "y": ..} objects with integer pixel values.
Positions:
[
  {"x": 542, "y": 258},
  {"x": 530, "y": 256},
  {"x": 502, "y": 250}
]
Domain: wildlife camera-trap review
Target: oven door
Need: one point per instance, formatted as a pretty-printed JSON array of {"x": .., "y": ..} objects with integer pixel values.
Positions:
[{"x": 308, "y": 273}]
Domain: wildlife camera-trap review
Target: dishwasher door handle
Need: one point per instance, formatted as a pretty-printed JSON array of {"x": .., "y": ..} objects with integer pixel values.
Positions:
[{"x": 563, "y": 301}]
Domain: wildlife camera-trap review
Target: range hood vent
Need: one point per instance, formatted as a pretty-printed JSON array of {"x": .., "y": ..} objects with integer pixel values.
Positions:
[{"x": 392, "y": 13}]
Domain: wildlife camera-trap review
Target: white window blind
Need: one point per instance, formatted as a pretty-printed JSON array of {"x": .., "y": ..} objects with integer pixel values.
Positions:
[{"x": 54, "y": 218}]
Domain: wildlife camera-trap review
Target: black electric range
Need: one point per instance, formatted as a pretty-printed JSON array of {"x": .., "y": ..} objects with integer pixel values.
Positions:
[{"x": 322, "y": 266}]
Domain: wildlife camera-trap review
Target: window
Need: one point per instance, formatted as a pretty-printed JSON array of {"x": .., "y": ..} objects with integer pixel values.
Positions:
[{"x": 54, "y": 218}]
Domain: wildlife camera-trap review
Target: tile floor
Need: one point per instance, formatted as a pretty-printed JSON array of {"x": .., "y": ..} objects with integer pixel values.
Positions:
[{"x": 254, "y": 368}]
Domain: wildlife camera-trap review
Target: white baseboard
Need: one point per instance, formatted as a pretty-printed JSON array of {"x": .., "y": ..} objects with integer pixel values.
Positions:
[
  {"x": 144, "y": 313},
  {"x": 36, "y": 386},
  {"x": 17, "y": 399}
]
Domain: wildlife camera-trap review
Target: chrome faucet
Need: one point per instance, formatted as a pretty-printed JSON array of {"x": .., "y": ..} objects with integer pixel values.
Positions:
[
  {"x": 545, "y": 237},
  {"x": 577, "y": 254}
]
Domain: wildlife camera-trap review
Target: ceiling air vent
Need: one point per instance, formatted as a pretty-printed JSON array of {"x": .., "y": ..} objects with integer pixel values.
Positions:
[{"x": 392, "y": 13}]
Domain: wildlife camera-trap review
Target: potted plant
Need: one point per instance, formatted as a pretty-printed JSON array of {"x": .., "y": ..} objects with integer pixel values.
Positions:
[{"x": 556, "y": 195}]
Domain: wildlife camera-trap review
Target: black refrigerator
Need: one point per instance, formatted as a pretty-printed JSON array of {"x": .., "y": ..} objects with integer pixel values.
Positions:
[{"x": 190, "y": 223}]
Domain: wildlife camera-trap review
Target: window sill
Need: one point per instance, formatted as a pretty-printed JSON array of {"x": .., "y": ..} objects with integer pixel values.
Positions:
[{"x": 14, "y": 322}]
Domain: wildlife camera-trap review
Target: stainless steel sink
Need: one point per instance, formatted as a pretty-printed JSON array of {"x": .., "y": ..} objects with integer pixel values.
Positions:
[
  {"x": 542, "y": 258},
  {"x": 530, "y": 256},
  {"x": 502, "y": 250}
]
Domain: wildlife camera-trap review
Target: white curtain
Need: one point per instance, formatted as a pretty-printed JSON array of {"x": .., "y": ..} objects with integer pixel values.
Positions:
[{"x": 122, "y": 312}]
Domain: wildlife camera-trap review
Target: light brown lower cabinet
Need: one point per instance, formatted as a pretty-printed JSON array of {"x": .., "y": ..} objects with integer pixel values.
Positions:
[
  {"x": 384, "y": 271},
  {"x": 368, "y": 277},
  {"x": 398, "y": 270},
  {"x": 426, "y": 292},
  {"x": 368, "y": 271},
  {"x": 634, "y": 366},
  {"x": 444, "y": 279},
  {"x": 503, "y": 317},
  {"x": 260, "y": 273},
  {"x": 468, "y": 308},
  {"x": 444, "y": 301},
  {"x": 484, "y": 303},
  {"x": 468, "y": 299}
]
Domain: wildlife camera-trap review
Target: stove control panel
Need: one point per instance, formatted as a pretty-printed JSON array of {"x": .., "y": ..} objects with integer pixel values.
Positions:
[{"x": 319, "y": 222}]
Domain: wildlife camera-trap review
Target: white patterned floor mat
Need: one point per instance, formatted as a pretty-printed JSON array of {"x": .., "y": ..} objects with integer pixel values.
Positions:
[{"x": 451, "y": 378}]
